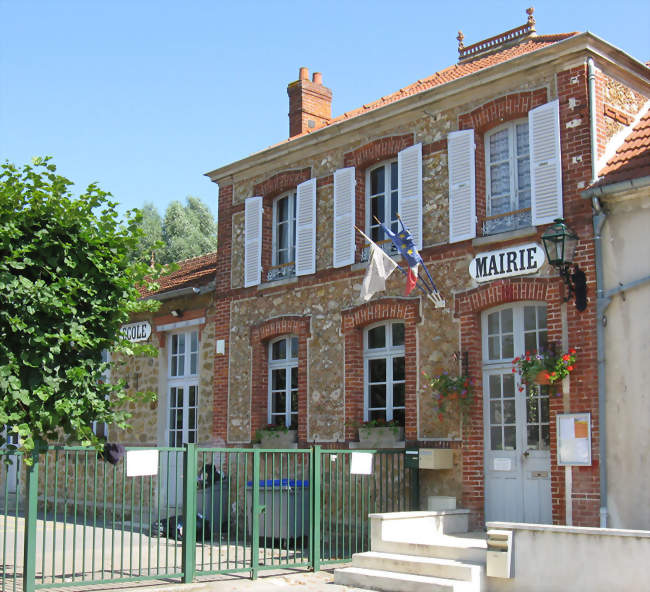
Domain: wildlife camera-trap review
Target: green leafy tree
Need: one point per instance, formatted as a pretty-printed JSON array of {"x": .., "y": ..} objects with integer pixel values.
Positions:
[
  {"x": 66, "y": 286},
  {"x": 150, "y": 241},
  {"x": 185, "y": 231}
]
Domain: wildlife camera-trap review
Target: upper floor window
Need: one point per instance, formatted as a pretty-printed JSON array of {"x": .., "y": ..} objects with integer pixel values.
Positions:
[
  {"x": 507, "y": 157},
  {"x": 283, "y": 382},
  {"x": 284, "y": 235},
  {"x": 381, "y": 200},
  {"x": 385, "y": 380}
]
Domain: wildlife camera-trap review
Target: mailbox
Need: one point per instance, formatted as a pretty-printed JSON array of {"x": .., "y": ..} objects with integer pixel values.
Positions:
[{"x": 412, "y": 458}]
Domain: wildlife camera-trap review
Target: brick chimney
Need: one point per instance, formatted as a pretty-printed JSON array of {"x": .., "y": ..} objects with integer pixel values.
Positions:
[{"x": 310, "y": 103}]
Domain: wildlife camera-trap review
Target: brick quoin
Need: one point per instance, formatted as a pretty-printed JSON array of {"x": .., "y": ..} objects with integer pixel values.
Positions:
[
  {"x": 353, "y": 322},
  {"x": 260, "y": 336},
  {"x": 363, "y": 157}
]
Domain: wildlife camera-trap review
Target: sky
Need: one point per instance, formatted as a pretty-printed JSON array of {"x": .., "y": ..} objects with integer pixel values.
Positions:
[{"x": 145, "y": 96}]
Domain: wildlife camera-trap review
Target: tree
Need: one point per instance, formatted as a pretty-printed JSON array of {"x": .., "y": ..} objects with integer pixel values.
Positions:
[
  {"x": 186, "y": 231},
  {"x": 150, "y": 241},
  {"x": 66, "y": 287}
]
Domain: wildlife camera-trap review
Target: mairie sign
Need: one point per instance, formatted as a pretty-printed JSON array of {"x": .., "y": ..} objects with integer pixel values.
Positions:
[
  {"x": 137, "y": 331},
  {"x": 519, "y": 260}
]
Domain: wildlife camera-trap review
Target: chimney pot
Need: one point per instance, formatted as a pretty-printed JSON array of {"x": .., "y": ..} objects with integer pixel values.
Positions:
[
  {"x": 317, "y": 78},
  {"x": 303, "y": 74},
  {"x": 310, "y": 103}
]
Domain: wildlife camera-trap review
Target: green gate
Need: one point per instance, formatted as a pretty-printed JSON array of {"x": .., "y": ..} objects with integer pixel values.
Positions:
[{"x": 77, "y": 520}]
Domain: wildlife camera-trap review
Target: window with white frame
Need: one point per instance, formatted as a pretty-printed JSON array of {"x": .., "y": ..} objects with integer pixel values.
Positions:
[
  {"x": 384, "y": 376},
  {"x": 381, "y": 201},
  {"x": 183, "y": 387},
  {"x": 283, "y": 382},
  {"x": 284, "y": 235},
  {"x": 507, "y": 161}
]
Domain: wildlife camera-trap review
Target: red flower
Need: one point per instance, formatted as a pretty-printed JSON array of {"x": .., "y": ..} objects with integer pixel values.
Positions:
[
  {"x": 570, "y": 368},
  {"x": 439, "y": 416},
  {"x": 514, "y": 369},
  {"x": 572, "y": 351},
  {"x": 566, "y": 357}
]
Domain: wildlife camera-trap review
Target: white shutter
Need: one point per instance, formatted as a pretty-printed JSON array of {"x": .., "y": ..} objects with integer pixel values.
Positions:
[
  {"x": 252, "y": 241},
  {"x": 462, "y": 186},
  {"x": 344, "y": 200},
  {"x": 409, "y": 190},
  {"x": 306, "y": 228},
  {"x": 545, "y": 163}
]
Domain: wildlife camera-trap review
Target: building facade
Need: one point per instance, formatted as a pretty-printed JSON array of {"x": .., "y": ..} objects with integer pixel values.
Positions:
[{"x": 478, "y": 160}]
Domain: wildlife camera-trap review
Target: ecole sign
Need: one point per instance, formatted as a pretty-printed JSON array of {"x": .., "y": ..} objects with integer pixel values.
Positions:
[
  {"x": 137, "y": 331},
  {"x": 519, "y": 260}
]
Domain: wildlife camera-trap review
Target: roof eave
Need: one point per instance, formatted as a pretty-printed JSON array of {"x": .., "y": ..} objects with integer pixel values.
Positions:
[{"x": 560, "y": 50}]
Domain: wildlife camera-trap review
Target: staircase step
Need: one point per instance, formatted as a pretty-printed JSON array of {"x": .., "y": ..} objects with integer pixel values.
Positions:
[
  {"x": 418, "y": 565},
  {"x": 471, "y": 548},
  {"x": 389, "y": 581}
]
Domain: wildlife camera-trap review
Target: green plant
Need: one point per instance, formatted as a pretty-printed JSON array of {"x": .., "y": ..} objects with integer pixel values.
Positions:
[
  {"x": 270, "y": 430},
  {"x": 66, "y": 288},
  {"x": 450, "y": 390},
  {"x": 544, "y": 366}
]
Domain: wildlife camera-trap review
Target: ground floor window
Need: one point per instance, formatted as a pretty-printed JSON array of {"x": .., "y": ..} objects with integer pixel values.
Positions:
[
  {"x": 384, "y": 372},
  {"x": 283, "y": 382}
]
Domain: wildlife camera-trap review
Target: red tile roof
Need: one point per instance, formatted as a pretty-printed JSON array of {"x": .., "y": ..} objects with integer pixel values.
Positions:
[
  {"x": 451, "y": 73},
  {"x": 194, "y": 272},
  {"x": 632, "y": 159}
]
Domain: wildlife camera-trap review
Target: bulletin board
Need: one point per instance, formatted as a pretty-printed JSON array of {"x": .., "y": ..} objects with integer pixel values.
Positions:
[{"x": 574, "y": 439}]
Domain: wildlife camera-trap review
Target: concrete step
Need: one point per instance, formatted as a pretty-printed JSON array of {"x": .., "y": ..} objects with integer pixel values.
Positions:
[
  {"x": 418, "y": 565},
  {"x": 389, "y": 581},
  {"x": 471, "y": 547}
]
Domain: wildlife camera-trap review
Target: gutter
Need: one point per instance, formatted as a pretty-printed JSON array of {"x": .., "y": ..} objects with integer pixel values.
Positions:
[
  {"x": 188, "y": 290},
  {"x": 619, "y": 187}
]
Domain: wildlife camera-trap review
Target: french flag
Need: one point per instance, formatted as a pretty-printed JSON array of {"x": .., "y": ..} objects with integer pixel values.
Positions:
[{"x": 411, "y": 280}]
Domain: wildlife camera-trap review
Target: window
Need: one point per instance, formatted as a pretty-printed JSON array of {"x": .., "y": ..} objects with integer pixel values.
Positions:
[
  {"x": 283, "y": 382},
  {"x": 183, "y": 387},
  {"x": 284, "y": 236},
  {"x": 384, "y": 376},
  {"x": 507, "y": 158},
  {"x": 382, "y": 201}
]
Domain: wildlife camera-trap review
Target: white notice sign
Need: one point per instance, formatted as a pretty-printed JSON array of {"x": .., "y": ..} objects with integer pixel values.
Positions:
[
  {"x": 502, "y": 464},
  {"x": 361, "y": 463},
  {"x": 140, "y": 463}
]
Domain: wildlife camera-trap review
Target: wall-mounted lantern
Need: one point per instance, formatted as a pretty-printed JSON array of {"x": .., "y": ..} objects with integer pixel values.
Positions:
[{"x": 560, "y": 245}]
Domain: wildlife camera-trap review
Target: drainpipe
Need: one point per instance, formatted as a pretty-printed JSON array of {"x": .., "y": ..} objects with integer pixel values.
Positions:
[{"x": 601, "y": 302}]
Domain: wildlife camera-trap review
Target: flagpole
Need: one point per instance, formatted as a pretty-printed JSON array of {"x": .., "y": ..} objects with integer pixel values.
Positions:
[
  {"x": 433, "y": 284},
  {"x": 420, "y": 279},
  {"x": 425, "y": 292}
]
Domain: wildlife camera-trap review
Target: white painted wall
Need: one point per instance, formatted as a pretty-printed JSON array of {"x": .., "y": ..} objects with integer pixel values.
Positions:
[
  {"x": 555, "y": 558},
  {"x": 626, "y": 257}
]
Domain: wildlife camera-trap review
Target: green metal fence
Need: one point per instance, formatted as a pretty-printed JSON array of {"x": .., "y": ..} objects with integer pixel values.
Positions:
[{"x": 75, "y": 519}]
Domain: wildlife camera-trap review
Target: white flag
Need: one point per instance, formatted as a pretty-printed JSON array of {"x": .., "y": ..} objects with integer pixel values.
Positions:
[{"x": 380, "y": 266}]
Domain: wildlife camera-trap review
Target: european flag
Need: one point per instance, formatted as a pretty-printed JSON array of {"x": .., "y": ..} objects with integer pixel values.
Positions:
[{"x": 404, "y": 243}]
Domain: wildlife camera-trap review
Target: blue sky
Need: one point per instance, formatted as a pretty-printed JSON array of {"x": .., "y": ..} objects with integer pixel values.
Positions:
[{"x": 145, "y": 96}]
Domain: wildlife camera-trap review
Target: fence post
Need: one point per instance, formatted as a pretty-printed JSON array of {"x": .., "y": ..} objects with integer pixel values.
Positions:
[
  {"x": 189, "y": 513},
  {"x": 31, "y": 509},
  {"x": 315, "y": 507},
  {"x": 415, "y": 489},
  {"x": 255, "y": 517}
]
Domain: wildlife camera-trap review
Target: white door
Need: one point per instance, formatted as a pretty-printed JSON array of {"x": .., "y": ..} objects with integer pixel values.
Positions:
[
  {"x": 516, "y": 419},
  {"x": 182, "y": 408}
]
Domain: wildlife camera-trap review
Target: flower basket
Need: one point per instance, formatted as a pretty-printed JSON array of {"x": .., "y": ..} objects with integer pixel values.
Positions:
[
  {"x": 544, "y": 367},
  {"x": 380, "y": 436},
  {"x": 451, "y": 392},
  {"x": 276, "y": 437}
]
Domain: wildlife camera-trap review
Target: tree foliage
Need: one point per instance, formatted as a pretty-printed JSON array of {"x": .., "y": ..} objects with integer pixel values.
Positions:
[
  {"x": 66, "y": 287},
  {"x": 185, "y": 231}
]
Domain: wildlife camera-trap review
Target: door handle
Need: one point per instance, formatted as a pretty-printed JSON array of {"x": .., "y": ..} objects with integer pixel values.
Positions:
[{"x": 526, "y": 453}]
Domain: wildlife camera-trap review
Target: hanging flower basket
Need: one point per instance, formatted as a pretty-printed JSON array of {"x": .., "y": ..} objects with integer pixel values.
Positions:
[
  {"x": 544, "y": 367},
  {"x": 450, "y": 392}
]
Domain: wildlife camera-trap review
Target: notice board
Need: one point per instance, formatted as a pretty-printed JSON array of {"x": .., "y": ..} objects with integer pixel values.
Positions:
[{"x": 574, "y": 439}]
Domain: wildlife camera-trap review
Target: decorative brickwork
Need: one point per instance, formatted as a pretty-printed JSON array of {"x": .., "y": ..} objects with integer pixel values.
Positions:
[
  {"x": 260, "y": 336},
  {"x": 353, "y": 321}
]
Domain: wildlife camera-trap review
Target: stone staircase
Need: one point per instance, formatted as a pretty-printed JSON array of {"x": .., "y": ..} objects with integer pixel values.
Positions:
[{"x": 414, "y": 551}]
